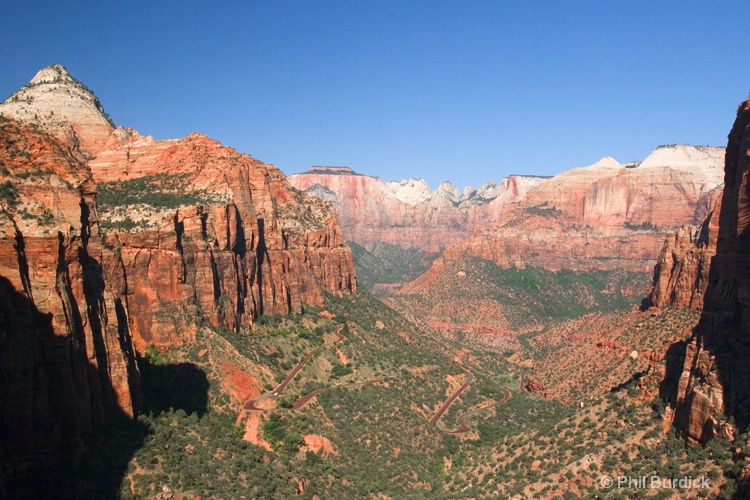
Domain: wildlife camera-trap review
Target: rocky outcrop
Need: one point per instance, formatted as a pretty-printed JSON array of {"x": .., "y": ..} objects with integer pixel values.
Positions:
[
  {"x": 713, "y": 386},
  {"x": 601, "y": 216},
  {"x": 605, "y": 216},
  {"x": 681, "y": 272},
  {"x": 409, "y": 213},
  {"x": 200, "y": 231},
  {"x": 251, "y": 246},
  {"x": 110, "y": 241},
  {"x": 674, "y": 185},
  {"x": 64, "y": 107},
  {"x": 67, "y": 361}
]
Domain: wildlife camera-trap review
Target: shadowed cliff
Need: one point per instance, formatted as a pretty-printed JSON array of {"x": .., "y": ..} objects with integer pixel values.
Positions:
[{"x": 50, "y": 446}]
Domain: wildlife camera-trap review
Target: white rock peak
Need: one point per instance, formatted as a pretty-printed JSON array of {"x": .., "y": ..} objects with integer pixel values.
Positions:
[
  {"x": 62, "y": 106},
  {"x": 410, "y": 191},
  {"x": 52, "y": 74}
]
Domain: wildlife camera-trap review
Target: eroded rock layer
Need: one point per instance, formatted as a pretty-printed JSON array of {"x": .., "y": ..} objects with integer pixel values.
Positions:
[
  {"x": 111, "y": 241},
  {"x": 409, "y": 213},
  {"x": 681, "y": 272},
  {"x": 252, "y": 246},
  {"x": 714, "y": 387}
]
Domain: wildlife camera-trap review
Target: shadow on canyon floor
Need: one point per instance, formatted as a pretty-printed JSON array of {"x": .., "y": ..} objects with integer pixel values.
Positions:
[{"x": 58, "y": 439}]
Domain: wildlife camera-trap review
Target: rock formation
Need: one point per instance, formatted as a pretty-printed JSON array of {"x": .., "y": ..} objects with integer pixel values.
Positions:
[
  {"x": 63, "y": 107},
  {"x": 606, "y": 216},
  {"x": 112, "y": 241},
  {"x": 200, "y": 230},
  {"x": 681, "y": 272},
  {"x": 714, "y": 386},
  {"x": 408, "y": 213},
  {"x": 67, "y": 361},
  {"x": 251, "y": 246}
]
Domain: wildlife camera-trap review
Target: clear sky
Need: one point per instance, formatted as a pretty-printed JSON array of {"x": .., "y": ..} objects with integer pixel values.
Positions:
[{"x": 466, "y": 91}]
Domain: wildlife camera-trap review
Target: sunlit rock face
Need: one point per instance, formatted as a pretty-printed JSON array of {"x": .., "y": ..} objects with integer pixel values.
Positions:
[
  {"x": 253, "y": 245},
  {"x": 681, "y": 273},
  {"x": 409, "y": 213},
  {"x": 64, "y": 107},
  {"x": 602, "y": 216},
  {"x": 110, "y": 241}
]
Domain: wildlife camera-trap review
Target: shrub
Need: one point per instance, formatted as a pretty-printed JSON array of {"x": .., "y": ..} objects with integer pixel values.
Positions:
[{"x": 9, "y": 193}]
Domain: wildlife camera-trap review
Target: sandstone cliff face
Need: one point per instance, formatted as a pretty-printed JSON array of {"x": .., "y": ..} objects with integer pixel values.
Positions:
[
  {"x": 716, "y": 374},
  {"x": 606, "y": 216},
  {"x": 408, "y": 213},
  {"x": 200, "y": 230},
  {"x": 110, "y": 241},
  {"x": 681, "y": 272},
  {"x": 252, "y": 246},
  {"x": 671, "y": 187},
  {"x": 66, "y": 358}
]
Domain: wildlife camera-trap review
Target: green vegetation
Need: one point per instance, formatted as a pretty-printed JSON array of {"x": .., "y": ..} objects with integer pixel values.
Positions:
[
  {"x": 527, "y": 297},
  {"x": 384, "y": 263},
  {"x": 126, "y": 224},
  {"x": 9, "y": 193},
  {"x": 160, "y": 190},
  {"x": 544, "y": 210},
  {"x": 646, "y": 226},
  {"x": 375, "y": 418}
]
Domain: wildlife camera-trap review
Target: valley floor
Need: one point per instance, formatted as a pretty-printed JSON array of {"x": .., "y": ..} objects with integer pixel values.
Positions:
[{"x": 352, "y": 400}]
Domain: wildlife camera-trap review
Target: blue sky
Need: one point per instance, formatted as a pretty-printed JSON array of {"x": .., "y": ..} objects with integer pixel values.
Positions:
[{"x": 462, "y": 91}]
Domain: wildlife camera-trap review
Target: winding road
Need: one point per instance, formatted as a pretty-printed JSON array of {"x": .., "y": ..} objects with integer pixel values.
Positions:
[
  {"x": 462, "y": 427},
  {"x": 460, "y": 420},
  {"x": 250, "y": 403},
  {"x": 469, "y": 380}
]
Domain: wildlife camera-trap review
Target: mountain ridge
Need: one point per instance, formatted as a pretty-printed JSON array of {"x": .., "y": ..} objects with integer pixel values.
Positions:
[{"x": 114, "y": 245}]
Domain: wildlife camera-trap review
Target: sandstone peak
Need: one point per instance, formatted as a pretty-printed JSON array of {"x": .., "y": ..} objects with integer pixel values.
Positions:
[
  {"x": 683, "y": 156},
  {"x": 606, "y": 162},
  {"x": 410, "y": 191},
  {"x": 52, "y": 74},
  {"x": 64, "y": 107}
]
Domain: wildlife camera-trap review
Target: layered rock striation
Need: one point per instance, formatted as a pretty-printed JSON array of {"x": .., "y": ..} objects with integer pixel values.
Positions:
[
  {"x": 111, "y": 241},
  {"x": 409, "y": 213},
  {"x": 713, "y": 394},
  {"x": 605, "y": 216},
  {"x": 682, "y": 270},
  {"x": 248, "y": 245}
]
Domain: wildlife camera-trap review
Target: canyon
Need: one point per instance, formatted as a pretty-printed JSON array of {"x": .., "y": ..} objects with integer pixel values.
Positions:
[{"x": 167, "y": 286}]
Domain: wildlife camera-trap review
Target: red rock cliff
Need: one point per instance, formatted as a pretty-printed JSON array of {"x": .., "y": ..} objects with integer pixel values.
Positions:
[
  {"x": 681, "y": 272},
  {"x": 252, "y": 246},
  {"x": 409, "y": 213},
  {"x": 605, "y": 216},
  {"x": 66, "y": 358},
  {"x": 110, "y": 241},
  {"x": 716, "y": 371}
]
